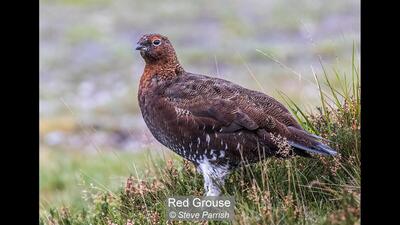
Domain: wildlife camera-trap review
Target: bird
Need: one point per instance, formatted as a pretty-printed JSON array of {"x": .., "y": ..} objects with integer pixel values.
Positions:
[{"x": 214, "y": 123}]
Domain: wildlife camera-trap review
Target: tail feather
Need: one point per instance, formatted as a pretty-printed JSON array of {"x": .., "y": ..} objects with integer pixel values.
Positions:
[
  {"x": 318, "y": 149},
  {"x": 314, "y": 136},
  {"x": 327, "y": 149},
  {"x": 311, "y": 143}
]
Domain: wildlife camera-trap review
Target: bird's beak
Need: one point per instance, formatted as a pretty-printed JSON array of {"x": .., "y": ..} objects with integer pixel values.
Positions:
[{"x": 141, "y": 47}]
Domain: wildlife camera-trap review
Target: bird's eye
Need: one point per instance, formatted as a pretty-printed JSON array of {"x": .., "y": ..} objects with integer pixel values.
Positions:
[{"x": 156, "y": 42}]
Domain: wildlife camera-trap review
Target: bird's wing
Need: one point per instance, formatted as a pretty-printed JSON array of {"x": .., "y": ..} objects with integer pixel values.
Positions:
[
  {"x": 227, "y": 107},
  {"x": 210, "y": 114},
  {"x": 229, "y": 104}
]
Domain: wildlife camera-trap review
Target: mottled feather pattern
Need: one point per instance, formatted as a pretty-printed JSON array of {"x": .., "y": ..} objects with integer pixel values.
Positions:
[{"x": 216, "y": 124}]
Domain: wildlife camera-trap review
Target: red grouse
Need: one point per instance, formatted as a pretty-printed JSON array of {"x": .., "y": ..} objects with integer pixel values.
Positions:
[{"x": 214, "y": 123}]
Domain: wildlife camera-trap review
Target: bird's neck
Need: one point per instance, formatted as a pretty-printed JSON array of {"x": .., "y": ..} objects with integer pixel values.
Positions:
[{"x": 161, "y": 70}]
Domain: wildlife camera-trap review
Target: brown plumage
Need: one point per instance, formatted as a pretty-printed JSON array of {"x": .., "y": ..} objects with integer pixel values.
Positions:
[{"x": 214, "y": 123}]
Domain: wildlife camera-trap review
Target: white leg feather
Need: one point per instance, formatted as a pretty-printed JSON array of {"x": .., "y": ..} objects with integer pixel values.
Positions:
[{"x": 214, "y": 177}]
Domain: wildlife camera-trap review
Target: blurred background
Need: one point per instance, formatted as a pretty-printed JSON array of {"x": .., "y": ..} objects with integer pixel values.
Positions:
[{"x": 91, "y": 129}]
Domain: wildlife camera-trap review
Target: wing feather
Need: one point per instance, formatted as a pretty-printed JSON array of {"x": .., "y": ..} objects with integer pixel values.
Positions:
[{"x": 222, "y": 106}]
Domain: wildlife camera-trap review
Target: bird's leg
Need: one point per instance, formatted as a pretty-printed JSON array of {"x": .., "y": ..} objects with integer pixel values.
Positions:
[{"x": 214, "y": 178}]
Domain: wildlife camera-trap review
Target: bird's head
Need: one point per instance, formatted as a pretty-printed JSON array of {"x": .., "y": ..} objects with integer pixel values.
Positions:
[{"x": 156, "y": 48}]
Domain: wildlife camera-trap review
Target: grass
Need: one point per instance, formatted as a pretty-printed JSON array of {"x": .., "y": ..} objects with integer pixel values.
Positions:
[
  {"x": 64, "y": 175},
  {"x": 320, "y": 190}
]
